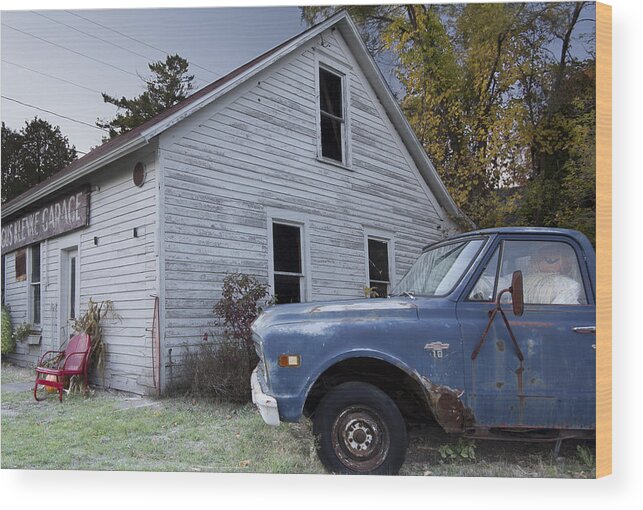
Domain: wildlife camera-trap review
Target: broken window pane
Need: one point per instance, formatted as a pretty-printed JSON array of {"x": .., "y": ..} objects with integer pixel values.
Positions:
[
  {"x": 378, "y": 260},
  {"x": 330, "y": 93}
]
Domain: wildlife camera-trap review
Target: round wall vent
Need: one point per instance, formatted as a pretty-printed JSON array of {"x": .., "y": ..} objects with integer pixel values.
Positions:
[{"x": 138, "y": 176}]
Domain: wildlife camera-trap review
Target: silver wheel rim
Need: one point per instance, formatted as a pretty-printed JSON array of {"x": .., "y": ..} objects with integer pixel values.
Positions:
[{"x": 360, "y": 439}]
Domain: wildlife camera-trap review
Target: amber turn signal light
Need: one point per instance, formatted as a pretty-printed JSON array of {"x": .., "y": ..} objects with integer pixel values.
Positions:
[{"x": 289, "y": 360}]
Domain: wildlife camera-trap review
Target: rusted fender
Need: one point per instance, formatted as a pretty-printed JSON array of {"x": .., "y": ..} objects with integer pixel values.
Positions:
[{"x": 447, "y": 406}]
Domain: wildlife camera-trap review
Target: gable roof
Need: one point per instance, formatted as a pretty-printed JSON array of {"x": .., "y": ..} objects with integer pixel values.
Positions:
[{"x": 141, "y": 135}]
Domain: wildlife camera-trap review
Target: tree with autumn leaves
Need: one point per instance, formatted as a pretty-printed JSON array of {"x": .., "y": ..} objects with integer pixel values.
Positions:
[{"x": 499, "y": 101}]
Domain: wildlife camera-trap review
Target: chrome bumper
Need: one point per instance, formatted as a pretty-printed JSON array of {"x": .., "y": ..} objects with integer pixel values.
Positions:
[{"x": 267, "y": 405}]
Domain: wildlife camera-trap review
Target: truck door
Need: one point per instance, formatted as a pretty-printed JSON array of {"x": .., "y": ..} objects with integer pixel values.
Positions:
[{"x": 554, "y": 386}]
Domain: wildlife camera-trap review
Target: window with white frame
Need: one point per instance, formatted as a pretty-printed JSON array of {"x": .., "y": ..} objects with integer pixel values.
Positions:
[
  {"x": 34, "y": 285},
  {"x": 288, "y": 266},
  {"x": 379, "y": 270},
  {"x": 332, "y": 115}
]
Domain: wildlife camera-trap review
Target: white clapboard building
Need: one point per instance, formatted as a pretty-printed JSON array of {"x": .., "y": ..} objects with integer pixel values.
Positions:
[{"x": 298, "y": 167}]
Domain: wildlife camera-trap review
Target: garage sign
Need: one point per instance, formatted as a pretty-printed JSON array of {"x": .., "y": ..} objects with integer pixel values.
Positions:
[{"x": 64, "y": 215}]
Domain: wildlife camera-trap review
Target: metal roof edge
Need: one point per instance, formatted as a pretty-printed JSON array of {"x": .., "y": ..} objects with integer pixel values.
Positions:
[{"x": 83, "y": 170}]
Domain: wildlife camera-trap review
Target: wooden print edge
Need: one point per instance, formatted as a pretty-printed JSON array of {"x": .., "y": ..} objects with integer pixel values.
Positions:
[{"x": 604, "y": 239}]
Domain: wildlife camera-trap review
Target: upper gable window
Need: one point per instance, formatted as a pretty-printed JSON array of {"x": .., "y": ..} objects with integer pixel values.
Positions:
[{"x": 332, "y": 116}]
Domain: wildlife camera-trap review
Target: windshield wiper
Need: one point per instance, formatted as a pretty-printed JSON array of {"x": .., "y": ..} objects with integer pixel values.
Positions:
[{"x": 408, "y": 293}]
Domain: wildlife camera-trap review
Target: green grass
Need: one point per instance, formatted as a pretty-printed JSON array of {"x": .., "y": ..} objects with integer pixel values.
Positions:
[
  {"x": 176, "y": 434},
  {"x": 11, "y": 373}
]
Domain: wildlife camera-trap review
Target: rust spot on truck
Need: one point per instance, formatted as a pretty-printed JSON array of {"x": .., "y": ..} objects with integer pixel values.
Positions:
[{"x": 447, "y": 406}]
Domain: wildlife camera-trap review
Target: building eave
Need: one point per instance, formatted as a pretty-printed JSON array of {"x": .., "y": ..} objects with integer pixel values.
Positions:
[{"x": 48, "y": 187}]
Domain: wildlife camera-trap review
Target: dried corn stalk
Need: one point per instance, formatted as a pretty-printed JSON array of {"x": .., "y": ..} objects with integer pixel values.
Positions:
[{"x": 90, "y": 323}]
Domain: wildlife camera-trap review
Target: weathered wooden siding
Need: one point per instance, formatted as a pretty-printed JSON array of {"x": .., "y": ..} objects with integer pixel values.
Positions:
[
  {"x": 120, "y": 268},
  {"x": 255, "y": 151}
]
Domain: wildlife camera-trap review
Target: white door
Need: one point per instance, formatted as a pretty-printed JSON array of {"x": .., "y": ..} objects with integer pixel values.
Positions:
[{"x": 70, "y": 295}]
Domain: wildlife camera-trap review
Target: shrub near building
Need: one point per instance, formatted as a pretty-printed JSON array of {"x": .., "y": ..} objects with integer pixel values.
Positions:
[
  {"x": 222, "y": 367},
  {"x": 8, "y": 340}
]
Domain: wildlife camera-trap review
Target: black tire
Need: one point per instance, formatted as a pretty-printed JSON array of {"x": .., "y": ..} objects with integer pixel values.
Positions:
[{"x": 359, "y": 430}]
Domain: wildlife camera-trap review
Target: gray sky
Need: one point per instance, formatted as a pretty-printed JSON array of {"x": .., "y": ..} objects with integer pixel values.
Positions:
[{"x": 110, "y": 47}]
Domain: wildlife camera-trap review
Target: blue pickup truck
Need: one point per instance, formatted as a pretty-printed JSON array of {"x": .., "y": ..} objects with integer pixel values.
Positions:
[{"x": 490, "y": 333}]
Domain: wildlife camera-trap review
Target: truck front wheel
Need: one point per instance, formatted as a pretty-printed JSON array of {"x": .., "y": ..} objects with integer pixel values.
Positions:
[{"x": 359, "y": 430}]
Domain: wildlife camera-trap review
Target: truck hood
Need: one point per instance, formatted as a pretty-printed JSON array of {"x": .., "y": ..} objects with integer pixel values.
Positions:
[{"x": 333, "y": 311}]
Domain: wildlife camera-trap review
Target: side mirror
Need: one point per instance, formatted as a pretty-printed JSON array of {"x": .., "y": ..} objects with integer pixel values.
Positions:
[
  {"x": 517, "y": 296},
  {"x": 517, "y": 302}
]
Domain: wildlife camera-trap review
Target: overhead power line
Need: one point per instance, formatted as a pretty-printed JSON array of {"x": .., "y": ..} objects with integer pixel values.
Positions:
[
  {"x": 138, "y": 41},
  {"x": 117, "y": 32},
  {"x": 51, "y": 76},
  {"x": 92, "y": 35},
  {"x": 69, "y": 49},
  {"x": 53, "y": 113}
]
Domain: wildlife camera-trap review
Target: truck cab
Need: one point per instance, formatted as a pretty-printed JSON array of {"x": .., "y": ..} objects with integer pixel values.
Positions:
[{"x": 490, "y": 333}]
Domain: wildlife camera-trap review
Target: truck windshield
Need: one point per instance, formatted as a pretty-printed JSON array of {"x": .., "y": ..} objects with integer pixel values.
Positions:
[{"x": 437, "y": 270}]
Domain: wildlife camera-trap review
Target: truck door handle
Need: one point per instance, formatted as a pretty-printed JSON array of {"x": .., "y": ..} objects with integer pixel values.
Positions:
[{"x": 584, "y": 330}]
